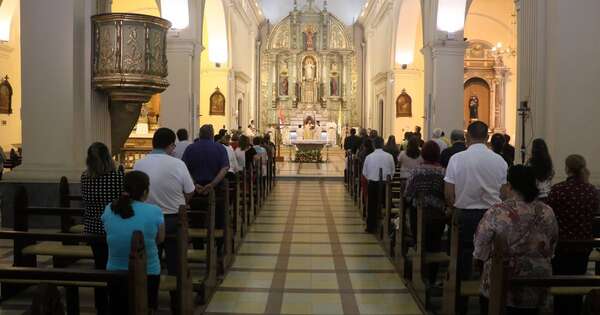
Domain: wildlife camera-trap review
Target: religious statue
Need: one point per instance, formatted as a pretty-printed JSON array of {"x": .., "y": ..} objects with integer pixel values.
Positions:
[
  {"x": 283, "y": 86},
  {"x": 333, "y": 85},
  {"x": 334, "y": 68},
  {"x": 309, "y": 35},
  {"x": 309, "y": 69},
  {"x": 473, "y": 108}
]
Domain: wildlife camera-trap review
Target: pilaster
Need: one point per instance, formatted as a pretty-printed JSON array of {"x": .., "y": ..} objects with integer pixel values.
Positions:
[{"x": 447, "y": 85}]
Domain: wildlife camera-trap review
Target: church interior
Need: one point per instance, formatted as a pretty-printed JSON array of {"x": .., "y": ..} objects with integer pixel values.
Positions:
[{"x": 303, "y": 84}]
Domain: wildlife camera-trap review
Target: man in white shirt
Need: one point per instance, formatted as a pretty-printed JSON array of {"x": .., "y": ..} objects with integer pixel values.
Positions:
[
  {"x": 182, "y": 136},
  {"x": 374, "y": 162},
  {"x": 171, "y": 186},
  {"x": 475, "y": 181},
  {"x": 233, "y": 162}
]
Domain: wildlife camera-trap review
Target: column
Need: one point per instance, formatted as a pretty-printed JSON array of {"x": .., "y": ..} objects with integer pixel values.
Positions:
[
  {"x": 61, "y": 113},
  {"x": 448, "y": 90},
  {"x": 179, "y": 106}
]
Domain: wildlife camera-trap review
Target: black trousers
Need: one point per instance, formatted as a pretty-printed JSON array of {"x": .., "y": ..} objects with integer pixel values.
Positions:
[
  {"x": 100, "y": 251},
  {"x": 374, "y": 198},
  {"x": 468, "y": 222},
  {"x": 119, "y": 295},
  {"x": 569, "y": 264},
  {"x": 484, "y": 306}
]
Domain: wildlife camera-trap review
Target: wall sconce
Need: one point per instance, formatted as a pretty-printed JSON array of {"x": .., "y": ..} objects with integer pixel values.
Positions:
[
  {"x": 451, "y": 16},
  {"x": 177, "y": 12},
  {"x": 404, "y": 66}
]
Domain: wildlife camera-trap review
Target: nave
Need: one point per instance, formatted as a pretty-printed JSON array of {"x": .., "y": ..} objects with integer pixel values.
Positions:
[{"x": 307, "y": 253}]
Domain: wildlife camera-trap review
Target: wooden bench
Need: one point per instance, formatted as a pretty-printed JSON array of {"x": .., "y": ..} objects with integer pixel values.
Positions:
[
  {"x": 69, "y": 278},
  {"x": 500, "y": 279},
  {"x": 454, "y": 287},
  {"x": 236, "y": 209},
  {"x": 66, "y": 248}
]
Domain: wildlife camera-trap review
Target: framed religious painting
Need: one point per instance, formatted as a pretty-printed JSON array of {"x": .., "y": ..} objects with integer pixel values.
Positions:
[
  {"x": 217, "y": 103},
  {"x": 6, "y": 93},
  {"x": 404, "y": 105}
]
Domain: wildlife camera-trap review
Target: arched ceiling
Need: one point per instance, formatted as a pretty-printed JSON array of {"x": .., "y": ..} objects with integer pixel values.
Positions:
[{"x": 347, "y": 10}]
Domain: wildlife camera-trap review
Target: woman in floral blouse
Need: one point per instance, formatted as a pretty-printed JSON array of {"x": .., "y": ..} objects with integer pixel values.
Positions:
[
  {"x": 531, "y": 232},
  {"x": 574, "y": 202},
  {"x": 428, "y": 178}
]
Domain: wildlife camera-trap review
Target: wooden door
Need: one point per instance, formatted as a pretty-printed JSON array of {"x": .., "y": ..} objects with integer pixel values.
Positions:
[{"x": 479, "y": 89}]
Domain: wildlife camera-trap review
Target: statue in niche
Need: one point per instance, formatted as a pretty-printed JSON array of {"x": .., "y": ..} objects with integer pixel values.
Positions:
[
  {"x": 309, "y": 69},
  {"x": 333, "y": 85},
  {"x": 283, "y": 86},
  {"x": 474, "y": 108}
]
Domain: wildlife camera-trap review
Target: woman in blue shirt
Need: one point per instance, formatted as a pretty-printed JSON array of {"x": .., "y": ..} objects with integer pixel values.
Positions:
[{"x": 125, "y": 215}]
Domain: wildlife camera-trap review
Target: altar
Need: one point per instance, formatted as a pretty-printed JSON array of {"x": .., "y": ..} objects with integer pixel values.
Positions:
[
  {"x": 309, "y": 69},
  {"x": 309, "y": 151}
]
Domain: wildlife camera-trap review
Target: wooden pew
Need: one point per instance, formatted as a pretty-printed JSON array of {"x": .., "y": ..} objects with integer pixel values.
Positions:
[
  {"x": 235, "y": 206},
  {"x": 27, "y": 248},
  {"x": 500, "y": 279},
  {"x": 87, "y": 278}
]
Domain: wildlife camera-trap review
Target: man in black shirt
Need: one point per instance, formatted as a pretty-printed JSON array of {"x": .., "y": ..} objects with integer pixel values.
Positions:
[
  {"x": 352, "y": 142},
  {"x": 458, "y": 145}
]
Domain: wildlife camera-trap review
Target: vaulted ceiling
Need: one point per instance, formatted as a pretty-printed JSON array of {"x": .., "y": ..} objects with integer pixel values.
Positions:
[{"x": 347, "y": 10}]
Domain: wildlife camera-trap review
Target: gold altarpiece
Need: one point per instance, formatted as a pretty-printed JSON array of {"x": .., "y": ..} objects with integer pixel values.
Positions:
[{"x": 308, "y": 69}]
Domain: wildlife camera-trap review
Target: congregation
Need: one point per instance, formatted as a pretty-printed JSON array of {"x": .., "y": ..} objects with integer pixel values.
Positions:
[
  {"x": 475, "y": 183},
  {"x": 177, "y": 172}
]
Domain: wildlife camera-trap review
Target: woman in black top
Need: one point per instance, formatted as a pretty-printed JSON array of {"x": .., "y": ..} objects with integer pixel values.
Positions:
[
  {"x": 101, "y": 183},
  {"x": 392, "y": 148}
]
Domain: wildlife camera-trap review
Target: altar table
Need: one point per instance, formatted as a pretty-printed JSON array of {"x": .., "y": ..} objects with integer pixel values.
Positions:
[{"x": 309, "y": 150}]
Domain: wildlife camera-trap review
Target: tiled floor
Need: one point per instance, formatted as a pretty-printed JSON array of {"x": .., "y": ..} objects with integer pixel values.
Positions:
[{"x": 307, "y": 254}]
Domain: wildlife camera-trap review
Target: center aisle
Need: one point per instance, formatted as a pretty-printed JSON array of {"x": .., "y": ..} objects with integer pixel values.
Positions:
[{"x": 307, "y": 253}]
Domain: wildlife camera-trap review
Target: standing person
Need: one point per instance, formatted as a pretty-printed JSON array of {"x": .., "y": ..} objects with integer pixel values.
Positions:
[
  {"x": 509, "y": 151},
  {"x": 404, "y": 144},
  {"x": 438, "y": 136},
  {"x": 530, "y": 230},
  {"x": 261, "y": 153},
  {"x": 378, "y": 160},
  {"x": 130, "y": 213},
  {"x": 574, "y": 202},
  {"x": 170, "y": 187},
  {"x": 497, "y": 144},
  {"x": 411, "y": 158},
  {"x": 245, "y": 153},
  {"x": 208, "y": 164},
  {"x": 541, "y": 162},
  {"x": 2, "y": 160},
  {"x": 473, "y": 183},
  {"x": 392, "y": 148},
  {"x": 182, "y": 144},
  {"x": 233, "y": 163},
  {"x": 428, "y": 178},
  {"x": 352, "y": 142},
  {"x": 101, "y": 183},
  {"x": 457, "y": 137}
]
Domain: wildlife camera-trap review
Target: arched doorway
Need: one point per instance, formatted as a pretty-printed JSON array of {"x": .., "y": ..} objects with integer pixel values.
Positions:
[{"x": 477, "y": 101}]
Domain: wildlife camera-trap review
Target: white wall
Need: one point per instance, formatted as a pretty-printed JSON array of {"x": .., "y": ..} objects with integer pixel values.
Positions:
[{"x": 572, "y": 106}]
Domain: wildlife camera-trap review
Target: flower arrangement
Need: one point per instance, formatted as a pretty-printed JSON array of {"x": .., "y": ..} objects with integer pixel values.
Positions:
[{"x": 309, "y": 156}]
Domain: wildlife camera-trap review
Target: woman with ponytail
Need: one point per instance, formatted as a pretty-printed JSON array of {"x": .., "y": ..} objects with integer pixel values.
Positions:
[
  {"x": 127, "y": 214},
  {"x": 574, "y": 202},
  {"x": 101, "y": 183}
]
